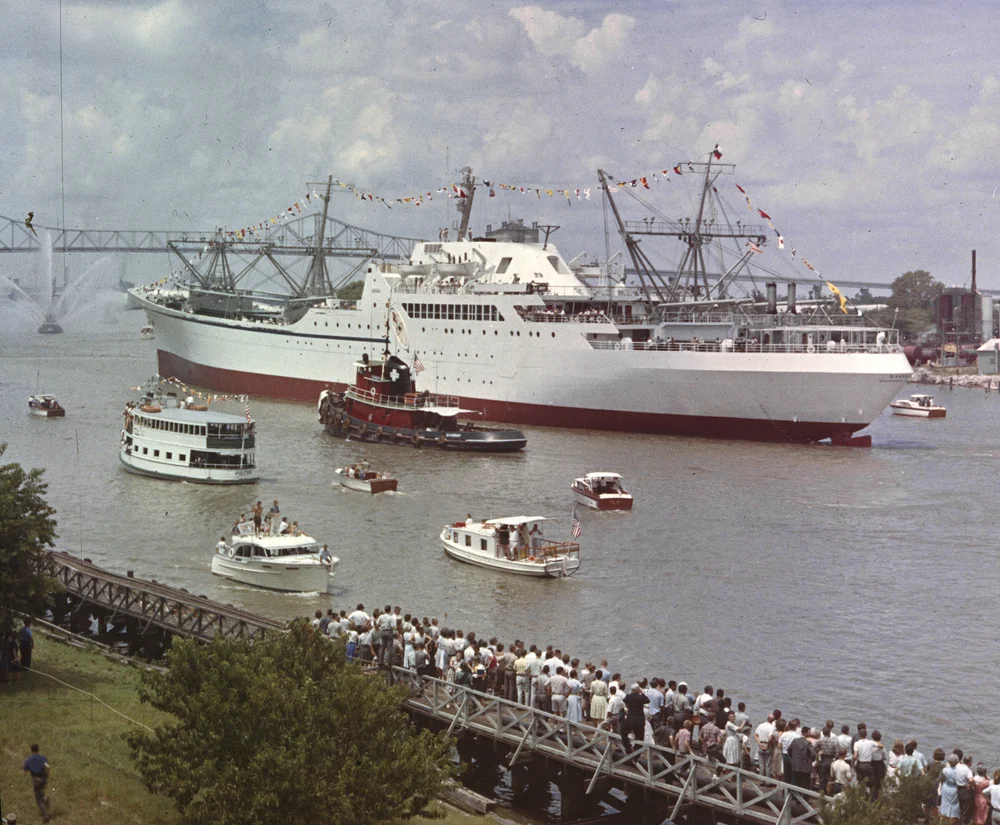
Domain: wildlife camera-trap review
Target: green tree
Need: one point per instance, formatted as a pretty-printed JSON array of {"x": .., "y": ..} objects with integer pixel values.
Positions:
[
  {"x": 864, "y": 296},
  {"x": 351, "y": 291},
  {"x": 284, "y": 731},
  {"x": 911, "y": 306},
  {"x": 26, "y": 529},
  {"x": 901, "y": 803}
]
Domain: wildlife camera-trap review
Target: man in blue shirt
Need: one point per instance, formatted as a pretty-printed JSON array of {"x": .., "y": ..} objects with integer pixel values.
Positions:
[
  {"x": 38, "y": 766},
  {"x": 27, "y": 642}
]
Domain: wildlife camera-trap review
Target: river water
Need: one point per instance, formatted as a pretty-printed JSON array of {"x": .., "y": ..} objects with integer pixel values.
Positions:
[{"x": 851, "y": 584}]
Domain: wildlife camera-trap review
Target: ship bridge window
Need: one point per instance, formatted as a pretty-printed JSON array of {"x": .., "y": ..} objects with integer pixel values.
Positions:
[
  {"x": 503, "y": 265},
  {"x": 242, "y": 551},
  {"x": 468, "y": 541},
  {"x": 432, "y": 247},
  {"x": 482, "y": 544},
  {"x": 451, "y": 312},
  {"x": 558, "y": 265}
]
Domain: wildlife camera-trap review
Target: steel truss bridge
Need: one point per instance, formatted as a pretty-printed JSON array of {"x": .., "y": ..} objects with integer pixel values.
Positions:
[
  {"x": 682, "y": 780},
  {"x": 342, "y": 240}
]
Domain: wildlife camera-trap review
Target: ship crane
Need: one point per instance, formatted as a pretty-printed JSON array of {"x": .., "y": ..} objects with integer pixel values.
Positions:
[{"x": 692, "y": 274}]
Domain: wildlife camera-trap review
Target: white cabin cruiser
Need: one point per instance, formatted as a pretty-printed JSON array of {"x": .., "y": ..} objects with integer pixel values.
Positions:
[
  {"x": 918, "y": 406},
  {"x": 513, "y": 545},
  {"x": 290, "y": 563},
  {"x": 601, "y": 491}
]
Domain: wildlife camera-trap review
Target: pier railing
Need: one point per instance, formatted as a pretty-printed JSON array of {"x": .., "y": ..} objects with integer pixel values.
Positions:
[{"x": 685, "y": 779}]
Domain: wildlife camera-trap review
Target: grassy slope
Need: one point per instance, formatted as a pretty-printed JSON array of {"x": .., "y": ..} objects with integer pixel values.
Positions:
[{"x": 93, "y": 780}]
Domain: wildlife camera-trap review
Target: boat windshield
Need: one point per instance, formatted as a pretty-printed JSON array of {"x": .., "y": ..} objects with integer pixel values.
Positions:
[{"x": 295, "y": 550}]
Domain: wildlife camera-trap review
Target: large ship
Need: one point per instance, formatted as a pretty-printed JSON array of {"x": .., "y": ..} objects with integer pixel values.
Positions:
[{"x": 505, "y": 325}]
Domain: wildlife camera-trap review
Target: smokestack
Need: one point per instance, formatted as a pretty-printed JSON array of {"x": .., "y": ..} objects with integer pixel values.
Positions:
[
  {"x": 772, "y": 298},
  {"x": 973, "y": 271},
  {"x": 791, "y": 299}
]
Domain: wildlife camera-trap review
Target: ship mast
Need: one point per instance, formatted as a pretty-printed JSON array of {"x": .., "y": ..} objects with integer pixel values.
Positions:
[
  {"x": 465, "y": 204},
  {"x": 317, "y": 281},
  {"x": 692, "y": 278}
]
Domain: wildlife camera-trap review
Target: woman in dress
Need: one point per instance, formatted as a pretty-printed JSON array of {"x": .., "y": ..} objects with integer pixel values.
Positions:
[
  {"x": 598, "y": 698},
  {"x": 732, "y": 748},
  {"x": 574, "y": 710},
  {"x": 948, "y": 808},
  {"x": 980, "y": 782}
]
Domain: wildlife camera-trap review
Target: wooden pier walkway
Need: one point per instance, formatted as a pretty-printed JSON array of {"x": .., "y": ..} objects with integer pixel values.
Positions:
[
  {"x": 153, "y": 605},
  {"x": 682, "y": 779}
]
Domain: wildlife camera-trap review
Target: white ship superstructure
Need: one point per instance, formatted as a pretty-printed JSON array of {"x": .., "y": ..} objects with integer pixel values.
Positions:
[{"x": 514, "y": 332}]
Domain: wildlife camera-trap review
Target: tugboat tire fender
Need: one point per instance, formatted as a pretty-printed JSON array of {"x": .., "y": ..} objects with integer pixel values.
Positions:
[
  {"x": 415, "y": 439},
  {"x": 442, "y": 440}
]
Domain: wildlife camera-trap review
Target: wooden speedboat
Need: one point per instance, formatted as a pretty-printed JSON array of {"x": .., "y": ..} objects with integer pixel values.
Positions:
[
  {"x": 601, "y": 491},
  {"x": 289, "y": 563},
  {"x": 918, "y": 406},
  {"x": 511, "y": 546},
  {"x": 363, "y": 478},
  {"x": 45, "y": 406}
]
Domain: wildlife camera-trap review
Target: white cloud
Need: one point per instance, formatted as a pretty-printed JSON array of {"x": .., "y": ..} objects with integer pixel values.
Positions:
[{"x": 557, "y": 36}]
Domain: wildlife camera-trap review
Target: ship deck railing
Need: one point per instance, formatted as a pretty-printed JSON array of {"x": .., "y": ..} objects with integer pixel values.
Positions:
[
  {"x": 557, "y": 317},
  {"x": 743, "y": 347},
  {"x": 411, "y": 401}
]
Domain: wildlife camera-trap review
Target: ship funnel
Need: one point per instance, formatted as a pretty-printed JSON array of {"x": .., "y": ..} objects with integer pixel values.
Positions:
[
  {"x": 772, "y": 298},
  {"x": 791, "y": 299}
]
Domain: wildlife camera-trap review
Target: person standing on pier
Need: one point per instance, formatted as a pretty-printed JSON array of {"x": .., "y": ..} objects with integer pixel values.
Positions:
[
  {"x": 764, "y": 738},
  {"x": 386, "y": 633},
  {"x": 864, "y": 750},
  {"x": 635, "y": 717},
  {"x": 522, "y": 678}
]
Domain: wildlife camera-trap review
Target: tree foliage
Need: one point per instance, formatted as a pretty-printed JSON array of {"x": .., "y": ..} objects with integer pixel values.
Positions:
[
  {"x": 26, "y": 529},
  {"x": 901, "y": 803},
  {"x": 284, "y": 730},
  {"x": 911, "y": 306},
  {"x": 351, "y": 291}
]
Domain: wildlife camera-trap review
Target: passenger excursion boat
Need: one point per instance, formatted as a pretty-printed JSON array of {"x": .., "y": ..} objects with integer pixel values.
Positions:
[
  {"x": 918, "y": 406},
  {"x": 507, "y": 544},
  {"x": 363, "y": 478},
  {"x": 601, "y": 491},
  {"x": 289, "y": 563},
  {"x": 165, "y": 438},
  {"x": 383, "y": 405},
  {"x": 45, "y": 406}
]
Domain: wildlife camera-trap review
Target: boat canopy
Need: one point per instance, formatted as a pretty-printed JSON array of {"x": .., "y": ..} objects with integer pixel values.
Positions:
[
  {"x": 600, "y": 476},
  {"x": 921, "y": 397},
  {"x": 43, "y": 396},
  {"x": 516, "y": 521}
]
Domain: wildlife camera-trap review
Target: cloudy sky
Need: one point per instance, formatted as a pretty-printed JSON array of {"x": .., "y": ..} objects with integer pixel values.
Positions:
[{"x": 868, "y": 130}]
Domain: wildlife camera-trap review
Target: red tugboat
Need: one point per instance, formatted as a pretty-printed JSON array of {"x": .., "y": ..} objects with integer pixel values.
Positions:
[{"x": 383, "y": 405}]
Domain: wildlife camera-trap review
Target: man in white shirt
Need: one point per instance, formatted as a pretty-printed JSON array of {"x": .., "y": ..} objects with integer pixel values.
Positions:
[
  {"x": 864, "y": 750},
  {"x": 358, "y": 618},
  {"x": 786, "y": 740},
  {"x": 762, "y": 738},
  {"x": 535, "y": 665},
  {"x": 386, "y": 626},
  {"x": 655, "y": 706},
  {"x": 963, "y": 778},
  {"x": 703, "y": 704},
  {"x": 221, "y": 546},
  {"x": 846, "y": 741}
]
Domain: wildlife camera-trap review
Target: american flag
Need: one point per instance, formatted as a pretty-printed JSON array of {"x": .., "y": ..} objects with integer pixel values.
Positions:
[
  {"x": 418, "y": 365},
  {"x": 574, "y": 525},
  {"x": 249, "y": 421}
]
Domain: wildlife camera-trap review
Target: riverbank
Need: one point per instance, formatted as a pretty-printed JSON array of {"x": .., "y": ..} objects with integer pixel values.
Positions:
[
  {"x": 93, "y": 779},
  {"x": 954, "y": 377}
]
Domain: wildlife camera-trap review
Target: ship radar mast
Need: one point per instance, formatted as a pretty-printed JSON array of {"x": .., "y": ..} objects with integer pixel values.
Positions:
[
  {"x": 465, "y": 198},
  {"x": 692, "y": 279}
]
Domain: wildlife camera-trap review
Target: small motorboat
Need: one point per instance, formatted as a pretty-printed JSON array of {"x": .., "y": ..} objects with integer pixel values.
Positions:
[
  {"x": 147, "y": 333},
  {"x": 508, "y": 545},
  {"x": 363, "y": 478},
  {"x": 293, "y": 564},
  {"x": 601, "y": 491},
  {"x": 918, "y": 406},
  {"x": 45, "y": 406}
]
